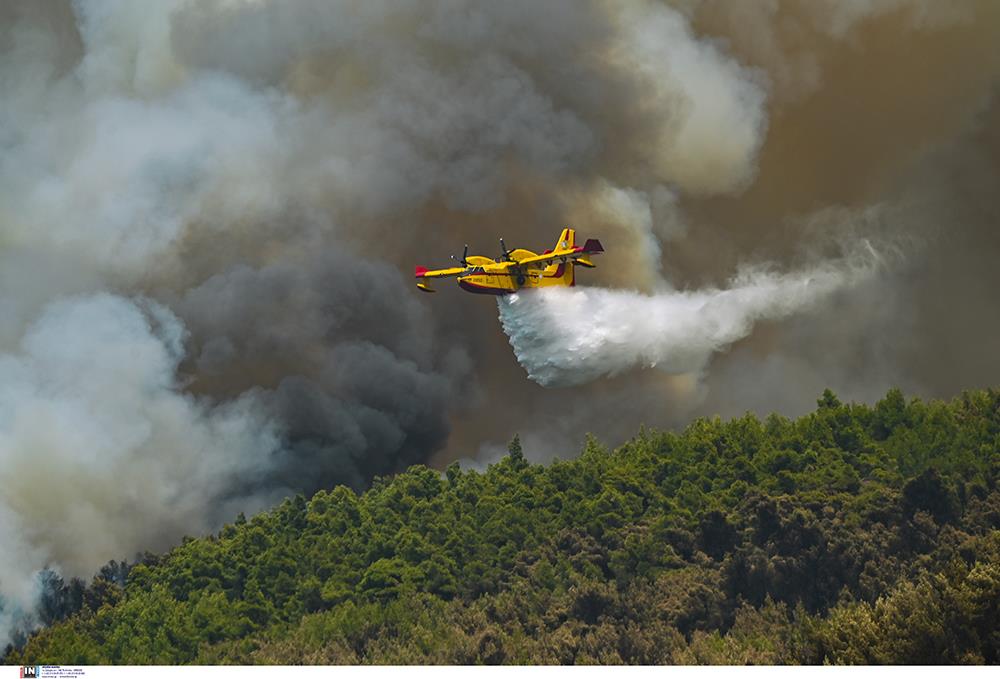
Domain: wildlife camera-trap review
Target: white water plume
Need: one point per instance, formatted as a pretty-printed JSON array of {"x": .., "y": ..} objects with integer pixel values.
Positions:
[{"x": 570, "y": 336}]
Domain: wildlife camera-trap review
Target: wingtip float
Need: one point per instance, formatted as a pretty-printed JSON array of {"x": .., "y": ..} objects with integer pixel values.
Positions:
[{"x": 516, "y": 269}]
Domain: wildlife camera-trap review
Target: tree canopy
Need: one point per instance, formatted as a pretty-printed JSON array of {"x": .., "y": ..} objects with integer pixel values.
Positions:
[{"x": 854, "y": 534}]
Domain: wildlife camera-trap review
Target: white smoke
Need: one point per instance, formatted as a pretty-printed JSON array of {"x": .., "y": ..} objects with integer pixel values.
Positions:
[
  {"x": 705, "y": 90},
  {"x": 101, "y": 452},
  {"x": 190, "y": 152},
  {"x": 571, "y": 336}
]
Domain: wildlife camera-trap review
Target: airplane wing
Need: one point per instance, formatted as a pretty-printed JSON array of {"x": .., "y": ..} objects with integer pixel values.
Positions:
[
  {"x": 424, "y": 272},
  {"x": 579, "y": 254}
]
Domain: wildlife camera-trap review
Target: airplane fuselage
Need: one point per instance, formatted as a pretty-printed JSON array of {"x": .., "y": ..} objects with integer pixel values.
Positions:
[
  {"x": 517, "y": 269},
  {"x": 490, "y": 277}
]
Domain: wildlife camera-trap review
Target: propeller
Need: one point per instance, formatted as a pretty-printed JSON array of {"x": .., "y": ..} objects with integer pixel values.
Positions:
[
  {"x": 505, "y": 254},
  {"x": 465, "y": 254}
]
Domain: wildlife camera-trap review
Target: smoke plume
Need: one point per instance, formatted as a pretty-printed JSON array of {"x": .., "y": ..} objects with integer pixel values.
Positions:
[
  {"x": 101, "y": 450},
  {"x": 209, "y": 213}
]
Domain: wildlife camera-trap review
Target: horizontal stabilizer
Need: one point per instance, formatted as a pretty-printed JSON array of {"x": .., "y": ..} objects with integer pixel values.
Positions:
[{"x": 593, "y": 245}]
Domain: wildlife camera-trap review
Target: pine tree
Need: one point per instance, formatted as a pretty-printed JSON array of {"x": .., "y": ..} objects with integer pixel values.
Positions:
[{"x": 516, "y": 454}]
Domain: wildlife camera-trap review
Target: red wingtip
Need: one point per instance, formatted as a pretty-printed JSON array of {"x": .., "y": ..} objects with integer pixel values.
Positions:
[{"x": 421, "y": 270}]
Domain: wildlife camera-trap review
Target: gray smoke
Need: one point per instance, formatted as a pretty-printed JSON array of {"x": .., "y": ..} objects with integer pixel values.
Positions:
[
  {"x": 332, "y": 348},
  {"x": 209, "y": 213},
  {"x": 102, "y": 452}
]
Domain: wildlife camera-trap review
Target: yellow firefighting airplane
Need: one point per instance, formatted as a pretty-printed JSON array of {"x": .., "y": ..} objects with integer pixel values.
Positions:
[{"x": 516, "y": 269}]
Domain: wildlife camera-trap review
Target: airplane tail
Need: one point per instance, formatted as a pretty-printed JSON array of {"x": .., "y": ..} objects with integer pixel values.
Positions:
[
  {"x": 563, "y": 271},
  {"x": 567, "y": 240}
]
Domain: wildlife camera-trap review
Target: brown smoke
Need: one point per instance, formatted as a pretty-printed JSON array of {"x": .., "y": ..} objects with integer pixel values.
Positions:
[{"x": 241, "y": 190}]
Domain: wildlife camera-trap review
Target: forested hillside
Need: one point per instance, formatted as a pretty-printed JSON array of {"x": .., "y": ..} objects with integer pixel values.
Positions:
[{"x": 854, "y": 534}]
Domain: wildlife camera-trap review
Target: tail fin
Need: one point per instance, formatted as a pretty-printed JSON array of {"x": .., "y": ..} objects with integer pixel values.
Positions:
[{"x": 567, "y": 240}]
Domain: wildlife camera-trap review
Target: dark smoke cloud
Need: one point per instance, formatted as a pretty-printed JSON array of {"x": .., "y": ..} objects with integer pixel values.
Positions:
[
  {"x": 333, "y": 348},
  {"x": 209, "y": 213}
]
